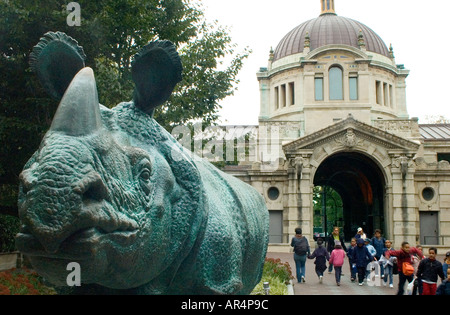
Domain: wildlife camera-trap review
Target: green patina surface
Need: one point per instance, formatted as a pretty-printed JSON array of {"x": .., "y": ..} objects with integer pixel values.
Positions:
[{"x": 115, "y": 192}]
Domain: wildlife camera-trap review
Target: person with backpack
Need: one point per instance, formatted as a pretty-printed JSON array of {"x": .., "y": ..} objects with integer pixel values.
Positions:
[
  {"x": 405, "y": 267},
  {"x": 301, "y": 251}
]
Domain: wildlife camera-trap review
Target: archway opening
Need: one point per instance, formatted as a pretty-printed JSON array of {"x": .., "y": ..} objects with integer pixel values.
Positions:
[
  {"x": 328, "y": 210},
  {"x": 359, "y": 183}
]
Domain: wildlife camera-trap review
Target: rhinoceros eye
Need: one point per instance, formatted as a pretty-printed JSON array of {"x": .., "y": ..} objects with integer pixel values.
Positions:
[{"x": 145, "y": 174}]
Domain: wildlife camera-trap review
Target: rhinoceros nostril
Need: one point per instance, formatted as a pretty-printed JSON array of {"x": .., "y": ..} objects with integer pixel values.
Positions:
[
  {"x": 96, "y": 191},
  {"x": 91, "y": 187}
]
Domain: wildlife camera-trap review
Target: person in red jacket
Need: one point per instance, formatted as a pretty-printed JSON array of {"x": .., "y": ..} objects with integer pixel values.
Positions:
[{"x": 403, "y": 257}]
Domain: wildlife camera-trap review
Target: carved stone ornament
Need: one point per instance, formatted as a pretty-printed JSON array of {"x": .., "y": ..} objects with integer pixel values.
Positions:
[
  {"x": 349, "y": 140},
  {"x": 297, "y": 165}
]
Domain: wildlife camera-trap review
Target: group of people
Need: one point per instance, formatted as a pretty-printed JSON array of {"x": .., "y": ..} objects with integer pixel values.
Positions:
[{"x": 376, "y": 255}]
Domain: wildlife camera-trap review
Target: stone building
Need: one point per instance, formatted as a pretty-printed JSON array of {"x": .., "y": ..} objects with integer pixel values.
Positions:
[{"x": 333, "y": 105}]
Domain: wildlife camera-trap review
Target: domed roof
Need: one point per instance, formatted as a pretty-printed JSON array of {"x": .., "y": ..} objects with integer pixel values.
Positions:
[{"x": 328, "y": 29}]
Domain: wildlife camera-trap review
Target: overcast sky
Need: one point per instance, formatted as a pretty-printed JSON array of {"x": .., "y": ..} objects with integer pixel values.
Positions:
[{"x": 418, "y": 30}]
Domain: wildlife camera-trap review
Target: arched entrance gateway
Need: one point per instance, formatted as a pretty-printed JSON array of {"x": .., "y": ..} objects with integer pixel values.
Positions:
[
  {"x": 360, "y": 184},
  {"x": 371, "y": 172}
]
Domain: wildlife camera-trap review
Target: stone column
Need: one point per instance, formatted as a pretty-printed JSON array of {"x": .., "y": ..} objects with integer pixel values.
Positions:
[
  {"x": 300, "y": 196},
  {"x": 405, "y": 214}
]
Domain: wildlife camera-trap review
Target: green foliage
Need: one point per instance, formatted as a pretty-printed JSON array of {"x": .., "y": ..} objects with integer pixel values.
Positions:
[
  {"x": 278, "y": 275},
  {"x": 111, "y": 33},
  {"x": 334, "y": 207},
  {"x": 9, "y": 227},
  {"x": 276, "y": 287}
]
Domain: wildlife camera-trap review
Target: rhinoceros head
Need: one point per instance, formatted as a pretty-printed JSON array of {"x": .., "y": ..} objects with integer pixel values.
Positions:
[{"x": 105, "y": 196}]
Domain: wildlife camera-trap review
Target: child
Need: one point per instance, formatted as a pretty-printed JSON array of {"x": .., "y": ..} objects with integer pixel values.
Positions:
[
  {"x": 388, "y": 264},
  {"x": 372, "y": 252},
  {"x": 337, "y": 259},
  {"x": 428, "y": 271},
  {"x": 403, "y": 257},
  {"x": 321, "y": 255},
  {"x": 350, "y": 261},
  {"x": 444, "y": 288},
  {"x": 446, "y": 263},
  {"x": 360, "y": 257}
]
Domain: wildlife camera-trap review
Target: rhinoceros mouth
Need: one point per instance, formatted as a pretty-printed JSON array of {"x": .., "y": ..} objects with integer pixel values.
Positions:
[{"x": 82, "y": 244}]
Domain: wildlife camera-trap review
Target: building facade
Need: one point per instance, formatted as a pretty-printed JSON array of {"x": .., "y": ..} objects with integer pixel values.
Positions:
[{"x": 333, "y": 107}]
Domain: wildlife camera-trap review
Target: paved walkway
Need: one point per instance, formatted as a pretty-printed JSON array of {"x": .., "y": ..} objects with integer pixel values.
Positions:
[{"x": 328, "y": 285}]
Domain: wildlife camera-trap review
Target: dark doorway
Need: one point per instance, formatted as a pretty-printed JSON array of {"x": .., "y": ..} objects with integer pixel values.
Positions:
[{"x": 360, "y": 184}]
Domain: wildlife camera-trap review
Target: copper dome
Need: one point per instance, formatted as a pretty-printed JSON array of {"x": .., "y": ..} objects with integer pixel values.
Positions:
[{"x": 328, "y": 29}]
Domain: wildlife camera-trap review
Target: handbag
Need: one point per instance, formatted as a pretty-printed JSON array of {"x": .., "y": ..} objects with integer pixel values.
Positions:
[{"x": 407, "y": 269}]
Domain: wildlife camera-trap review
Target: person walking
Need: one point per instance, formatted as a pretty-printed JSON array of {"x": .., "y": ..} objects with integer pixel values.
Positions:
[
  {"x": 378, "y": 243},
  {"x": 372, "y": 252},
  {"x": 360, "y": 234},
  {"x": 428, "y": 271},
  {"x": 334, "y": 237},
  {"x": 388, "y": 264},
  {"x": 350, "y": 260},
  {"x": 405, "y": 268},
  {"x": 322, "y": 256},
  {"x": 337, "y": 259},
  {"x": 446, "y": 263},
  {"x": 301, "y": 251},
  {"x": 444, "y": 287},
  {"x": 360, "y": 258}
]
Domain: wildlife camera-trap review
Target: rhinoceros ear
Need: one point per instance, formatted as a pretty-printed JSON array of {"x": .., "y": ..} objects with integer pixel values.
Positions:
[
  {"x": 56, "y": 59},
  {"x": 156, "y": 69}
]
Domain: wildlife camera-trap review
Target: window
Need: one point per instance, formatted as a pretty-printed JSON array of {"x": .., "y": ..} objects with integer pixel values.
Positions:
[
  {"x": 353, "y": 86},
  {"x": 378, "y": 92},
  {"x": 291, "y": 93},
  {"x": 336, "y": 87},
  {"x": 318, "y": 86},
  {"x": 386, "y": 94},
  {"x": 273, "y": 193},
  {"x": 428, "y": 193},
  {"x": 443, "y": 157},
  {"x": 277, "y": 98},
  {"x": 283, "y": 95},
  {"x": 391, "y": 95}
]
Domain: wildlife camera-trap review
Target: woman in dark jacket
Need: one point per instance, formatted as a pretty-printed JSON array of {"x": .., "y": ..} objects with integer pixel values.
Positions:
[
  {"x": 361, "y": 257},
  {"x": 335, "y": 236}
]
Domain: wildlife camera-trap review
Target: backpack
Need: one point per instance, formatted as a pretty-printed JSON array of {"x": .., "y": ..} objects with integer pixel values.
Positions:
[{"x": 301, "y": 246}]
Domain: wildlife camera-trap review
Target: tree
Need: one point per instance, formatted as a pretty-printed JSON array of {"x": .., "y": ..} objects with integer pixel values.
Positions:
[
  {"x": 111, "y": 33},
  {"x": 436, "y": 119},
  {"x": 334, "y": 207}
]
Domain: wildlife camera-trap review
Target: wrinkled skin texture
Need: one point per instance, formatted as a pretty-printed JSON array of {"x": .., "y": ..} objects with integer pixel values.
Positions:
[{"x": 138, "y": 213}]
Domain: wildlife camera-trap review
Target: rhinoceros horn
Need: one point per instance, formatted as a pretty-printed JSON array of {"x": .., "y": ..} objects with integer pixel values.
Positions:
[{"x": 78, "y": 113}]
